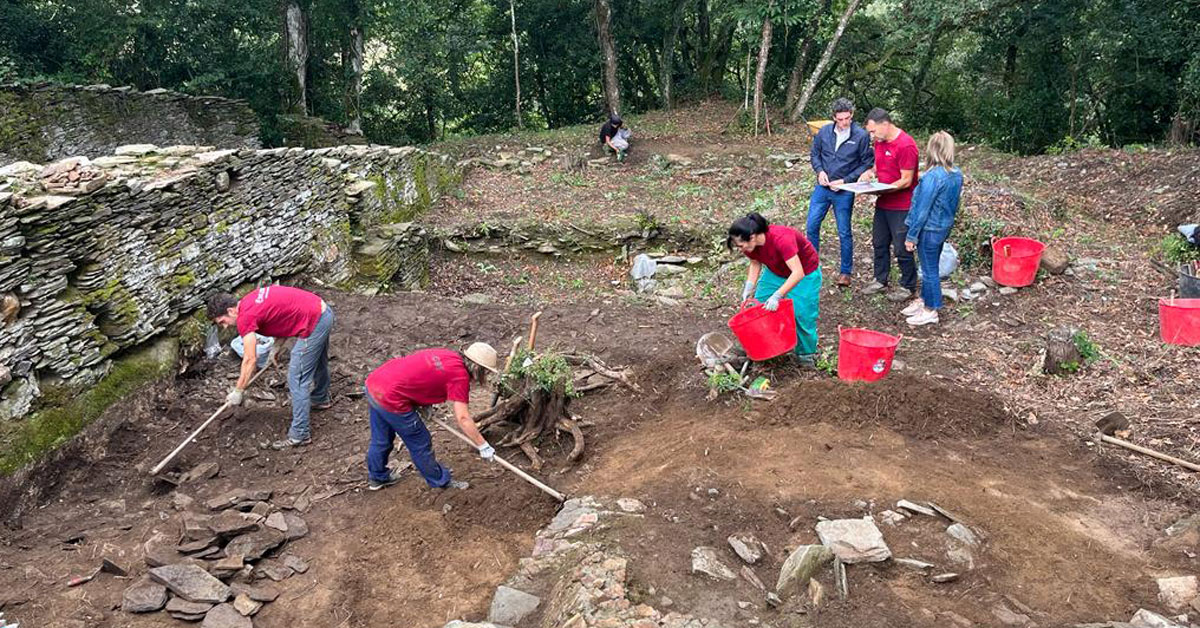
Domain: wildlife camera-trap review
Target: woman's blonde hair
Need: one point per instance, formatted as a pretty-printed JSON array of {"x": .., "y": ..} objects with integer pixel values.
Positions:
[{"x": 941, "y": 150}]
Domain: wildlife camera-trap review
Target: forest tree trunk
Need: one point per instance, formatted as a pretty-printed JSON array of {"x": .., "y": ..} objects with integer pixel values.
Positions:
[
  {"x": 811, "y": 85},
  {"x": 764, "y": 50},
  {"x": 295, "y": 42},
  {"x": 354, "y": 70},
  {"x": 512, "y": 12},
  {"x": 810, "y": 35},
  {"x": 612, "y": 91},
  {"x": 667, "y": 61}
]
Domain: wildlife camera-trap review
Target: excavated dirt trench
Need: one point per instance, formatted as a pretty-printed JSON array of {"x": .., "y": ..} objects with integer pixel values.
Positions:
[{"x": 1065, "y": 538}]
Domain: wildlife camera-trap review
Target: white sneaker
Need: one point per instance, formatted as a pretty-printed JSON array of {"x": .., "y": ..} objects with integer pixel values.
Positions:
[
  {"x": 924, "y": 317},
  {"x": 913, "y": 308}
]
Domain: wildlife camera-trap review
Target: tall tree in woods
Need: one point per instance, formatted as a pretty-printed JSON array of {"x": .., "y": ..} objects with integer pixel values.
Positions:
[
  {"x": 667, "y": 54},
  {"x": 811, "y": 84},
  {"x": 612, "y": 90},
  {"x": 808, "y": 35},
  {"x": 516, "y": 49},
  {"x": 295, "y": 54},
  {"x": 352, "y": 59},
  {"x": 764, "y": 50}
]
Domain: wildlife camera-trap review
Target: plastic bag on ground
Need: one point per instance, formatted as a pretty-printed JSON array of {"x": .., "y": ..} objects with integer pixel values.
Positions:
[
  {"x": 262, "y": 347},
  {"x": 948, "y": 262}
]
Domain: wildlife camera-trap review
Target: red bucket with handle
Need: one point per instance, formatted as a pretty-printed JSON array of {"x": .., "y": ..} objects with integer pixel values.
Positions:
[
  {"x": 864, "y": 354},
  {"x": 1015, "y": 261},
  {"x": 1179, "y": 321},
  {"x": 765, "y": 334}
]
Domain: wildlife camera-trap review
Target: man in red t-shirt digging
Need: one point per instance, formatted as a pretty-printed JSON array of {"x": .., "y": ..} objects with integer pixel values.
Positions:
[
  {"x": 895, "y": 163},
  {"x": 283, "y": 312},
  {"x": 396, "y": 390}
]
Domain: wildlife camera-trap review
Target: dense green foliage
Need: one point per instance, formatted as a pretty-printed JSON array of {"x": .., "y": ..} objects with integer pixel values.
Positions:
[{"x": 1020, "y": 75}]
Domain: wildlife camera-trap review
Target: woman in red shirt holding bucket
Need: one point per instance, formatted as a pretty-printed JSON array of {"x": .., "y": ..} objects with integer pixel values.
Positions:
[{"x": 783, "y": 264}]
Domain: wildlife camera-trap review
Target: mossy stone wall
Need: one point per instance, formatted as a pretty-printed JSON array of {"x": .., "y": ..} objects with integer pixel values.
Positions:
[
  {"x": 102, "y": 272},
  {"x": 46, "y": 122}
]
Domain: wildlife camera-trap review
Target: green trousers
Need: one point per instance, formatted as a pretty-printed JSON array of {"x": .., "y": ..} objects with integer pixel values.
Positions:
[{"x": 806, "y": 297}]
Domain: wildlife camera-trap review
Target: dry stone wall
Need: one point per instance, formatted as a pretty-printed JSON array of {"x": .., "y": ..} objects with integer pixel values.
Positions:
[
  {"x": 46, "y": 122},
  {"x": 99, "y": 255}
]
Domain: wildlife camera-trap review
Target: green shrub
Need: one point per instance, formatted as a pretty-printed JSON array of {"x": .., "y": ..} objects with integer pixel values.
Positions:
[
  {"x": 973, "y": 238},
  {"x": 724, "y": 381},
  {"x": 1177, "y": 249}
]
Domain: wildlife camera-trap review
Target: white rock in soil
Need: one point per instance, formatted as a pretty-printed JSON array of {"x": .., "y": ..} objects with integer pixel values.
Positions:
[
  {"x": 510, "y": 606},
  {"x": 1007, "y": 290},
  {"x": 630, "y": 505},
  {"x": 854, "y": 540},
  {"x": 964, "y": 534},
  {"x": 672, "y": 292},
  {"x": 1146, "y": 619},
  {"x": 950, "y": 294},
  {"x": 1178, "y": 591},
  {"x": 891, "y": 517},
  {"x": 904, "y": 504},
  {"x": 800, "y": 566},
  {"x": 669, "y": 269},
  {"x": 978, "y": 286},
  {"x": 747, "y": 547},
  {"x": 913, "y": 563},
  {"x": 1009, "y": 617},
  {"x": 705, "y": 561}
]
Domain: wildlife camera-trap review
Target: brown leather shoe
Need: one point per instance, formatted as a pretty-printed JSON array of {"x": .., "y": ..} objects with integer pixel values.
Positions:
[{"x": 843, "y": 281}]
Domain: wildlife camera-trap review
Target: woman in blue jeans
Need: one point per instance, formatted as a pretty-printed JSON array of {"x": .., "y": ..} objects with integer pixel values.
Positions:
[{"x": 934, "y": 206}]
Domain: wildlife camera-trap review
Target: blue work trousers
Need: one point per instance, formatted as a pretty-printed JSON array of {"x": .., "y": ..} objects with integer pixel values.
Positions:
[
  {"x": 308, "y": 375},
  {"x": 843, "y": 207},
  {"x": 384, "y": 428},
  {"x": 929, "y": 251}
]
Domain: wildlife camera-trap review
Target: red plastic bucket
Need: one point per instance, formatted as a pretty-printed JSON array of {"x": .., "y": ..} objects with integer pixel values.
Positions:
[
  {"x": 765, "y": 334},
  {"x": 864, "y": 354},
  {"x": 1015, "y": 261},
  {"x": 1179, "y": 321}
]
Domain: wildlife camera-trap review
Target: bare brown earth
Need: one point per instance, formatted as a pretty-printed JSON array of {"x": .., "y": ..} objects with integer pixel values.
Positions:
[{"x": 964, "y": 421}]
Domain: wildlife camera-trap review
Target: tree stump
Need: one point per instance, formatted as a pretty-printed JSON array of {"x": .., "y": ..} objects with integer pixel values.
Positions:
[
  {"x": 1062, "y": 353},
  {"x": 537, "y": 393}
]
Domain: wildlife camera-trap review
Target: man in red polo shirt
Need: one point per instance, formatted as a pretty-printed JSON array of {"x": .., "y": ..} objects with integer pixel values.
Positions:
[
  {"x": 283, "y": 312},
  {"x": 896, "y": 161},
  {"x": 397, "y": 389}
]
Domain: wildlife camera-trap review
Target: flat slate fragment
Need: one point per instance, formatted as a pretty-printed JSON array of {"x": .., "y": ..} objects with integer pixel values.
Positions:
[
  {"x": 191, "y": 582},
  {"x": 143, "y": 596},
  {"x": 226, "y": 616}
]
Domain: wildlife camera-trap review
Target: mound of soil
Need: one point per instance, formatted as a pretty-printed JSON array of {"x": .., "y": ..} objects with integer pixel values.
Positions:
[{"x": 918, "y": 408}]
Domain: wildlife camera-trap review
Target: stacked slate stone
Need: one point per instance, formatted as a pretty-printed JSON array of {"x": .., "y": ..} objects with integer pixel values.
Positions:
[
  {"x": 223, "y": 565},
  {"x": 98, "y": 270},
  {"x": 50, "y": 122}
]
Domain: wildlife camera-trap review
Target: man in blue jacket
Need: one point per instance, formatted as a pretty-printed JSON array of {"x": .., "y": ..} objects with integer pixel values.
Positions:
[{"x": 841, "y": 152}]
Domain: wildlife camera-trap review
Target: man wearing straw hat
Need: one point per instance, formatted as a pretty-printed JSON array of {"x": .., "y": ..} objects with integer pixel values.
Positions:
[{"x": 395, "y": 392}]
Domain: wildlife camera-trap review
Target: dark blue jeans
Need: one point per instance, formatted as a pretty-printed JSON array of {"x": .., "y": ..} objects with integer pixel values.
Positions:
[
  {"x": 384, "y": 428},
  {"x": 843, "y": 205},
  {"x": 308, "y": 374},
  {"x": 929, "y": 252}
]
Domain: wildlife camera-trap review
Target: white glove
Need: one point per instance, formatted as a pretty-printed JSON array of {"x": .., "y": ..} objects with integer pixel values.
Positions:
[
  {"x": 487, "y": 452},
  {"x": 234, "y": 398},
  {"x": 772, "y": 303},
  {"x": 747, "y": 290}
]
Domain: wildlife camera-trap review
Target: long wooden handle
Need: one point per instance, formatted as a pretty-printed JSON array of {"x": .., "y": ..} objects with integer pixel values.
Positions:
[
  {"x": 504, "y": 463},
  {"x": 1150, "y": 452},
  {"x": 533, "y": 325},
  {"x": 171, "y": 456}
]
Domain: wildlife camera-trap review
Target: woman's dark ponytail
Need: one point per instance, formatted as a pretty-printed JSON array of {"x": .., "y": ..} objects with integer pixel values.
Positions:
[{"x": 745, "y": 228}]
